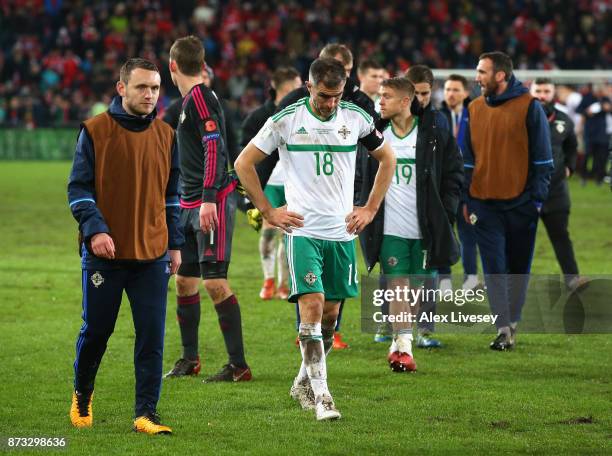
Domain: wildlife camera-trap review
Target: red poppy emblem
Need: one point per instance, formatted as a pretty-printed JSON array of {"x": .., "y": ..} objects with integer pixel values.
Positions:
[{"x": 210, "y": 125}]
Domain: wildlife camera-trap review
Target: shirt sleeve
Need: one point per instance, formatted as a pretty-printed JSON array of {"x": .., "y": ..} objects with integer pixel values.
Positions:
[
  {"x": 208, "y": 127},
  {"x": 269, "y": 138},
  {"x": 468, "y": 164},
  {"x": 369, "y": 136},
  {"x": 82, "y": 189},
  {"x": 540, "y": 152},
  {"x": 176, "y": 237}
]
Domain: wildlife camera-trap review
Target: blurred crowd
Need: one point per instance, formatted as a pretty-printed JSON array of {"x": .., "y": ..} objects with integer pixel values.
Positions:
[{"x": 59, "y": 59}]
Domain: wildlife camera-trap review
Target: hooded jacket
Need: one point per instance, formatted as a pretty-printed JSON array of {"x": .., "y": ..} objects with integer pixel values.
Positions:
[
  {"x": 82, "y": 188},
  {"x": 540, "y": 162}
]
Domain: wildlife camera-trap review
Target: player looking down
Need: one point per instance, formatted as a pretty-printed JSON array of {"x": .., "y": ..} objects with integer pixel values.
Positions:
[{"x": 317, "y": 141}]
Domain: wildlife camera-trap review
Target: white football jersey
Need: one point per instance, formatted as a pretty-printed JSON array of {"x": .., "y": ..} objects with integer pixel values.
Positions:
[
  {"x": 401, "y": 199},
  {"x": 318, "y": 159}
]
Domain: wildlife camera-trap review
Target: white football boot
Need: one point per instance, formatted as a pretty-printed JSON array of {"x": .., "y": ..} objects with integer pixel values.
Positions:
[
  {"x": 325, "y": 409},
  {"x": 302, "y": 393}
]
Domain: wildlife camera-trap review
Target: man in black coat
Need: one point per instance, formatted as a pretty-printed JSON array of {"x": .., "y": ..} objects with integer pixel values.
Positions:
[
  {"x": 422, "y": 78},
  {"x": 556, "y": 209}
]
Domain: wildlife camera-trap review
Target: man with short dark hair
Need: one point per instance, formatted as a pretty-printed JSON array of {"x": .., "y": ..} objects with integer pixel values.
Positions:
[
  {"x": 173, "y": 112},
  {"x": 341, "y": 53},
  {"x": 455, "y": 108},
  {"x": 208, "y": 206},
  {"x": 124, "y": 157},
  {"x": 370, "y": 74},
  {"x": 284, "y": 80},
  {"x": 317, "y": 138},
  {"x": 508, "y": 162},
  {"x": 422, "y": 77},
  {"x": 556, "y": 209},
  {"x": 351, "y": 94}
]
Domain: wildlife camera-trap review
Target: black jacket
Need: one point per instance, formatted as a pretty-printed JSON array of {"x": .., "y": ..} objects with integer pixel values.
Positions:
[
  {"x": 439, "y": 180},
  {"x": 351, "y": 93},
  {"x": 255, "y": 120},
  {"x": 250, "y": 127},
  {"x": 564, "y": 145}
]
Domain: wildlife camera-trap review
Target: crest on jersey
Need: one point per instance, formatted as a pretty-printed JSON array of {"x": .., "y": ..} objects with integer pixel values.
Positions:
[
  {"x": 97, "y": 279},
  {"x": 473, "y": 218},
  {"x": 344, "y": 132},
  {"x": 392, "y": 261},
  {"x": 310, "y": 278},
  {"x": 560, "y": 126},
  {"x": 182, "y": 117},
  {"x": 210, "y": 125}
]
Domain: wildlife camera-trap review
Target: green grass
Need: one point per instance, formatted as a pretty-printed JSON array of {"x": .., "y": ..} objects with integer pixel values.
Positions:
[{"x": 464, "y": 399}]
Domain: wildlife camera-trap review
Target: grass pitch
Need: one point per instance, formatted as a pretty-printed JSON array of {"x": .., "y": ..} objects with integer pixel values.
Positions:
[{"x": 550, "y": 395}]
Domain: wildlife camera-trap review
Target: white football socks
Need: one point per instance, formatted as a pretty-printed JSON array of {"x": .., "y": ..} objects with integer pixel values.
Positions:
[
  {"x": 267, "y": 252},
  {"x": 328, "y": 337},
  {"x": 313, "y": 356},
  {"x": 402, "y": 342},
  {"x": 282, "y": 266}
]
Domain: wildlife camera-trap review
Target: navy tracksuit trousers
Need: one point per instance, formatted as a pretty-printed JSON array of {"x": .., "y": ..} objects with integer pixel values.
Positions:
[
  {"x": 467, "y": 242},
  {"x": 506, "y": 239},
  {"x": 146, "y": 286}
]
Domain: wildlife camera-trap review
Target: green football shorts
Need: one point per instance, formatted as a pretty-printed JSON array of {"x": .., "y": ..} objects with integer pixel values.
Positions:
[
  {"x": 276, "y": 195},
  {"x": 318, "y": 266},
  {"x": 401, "y": 257}
]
